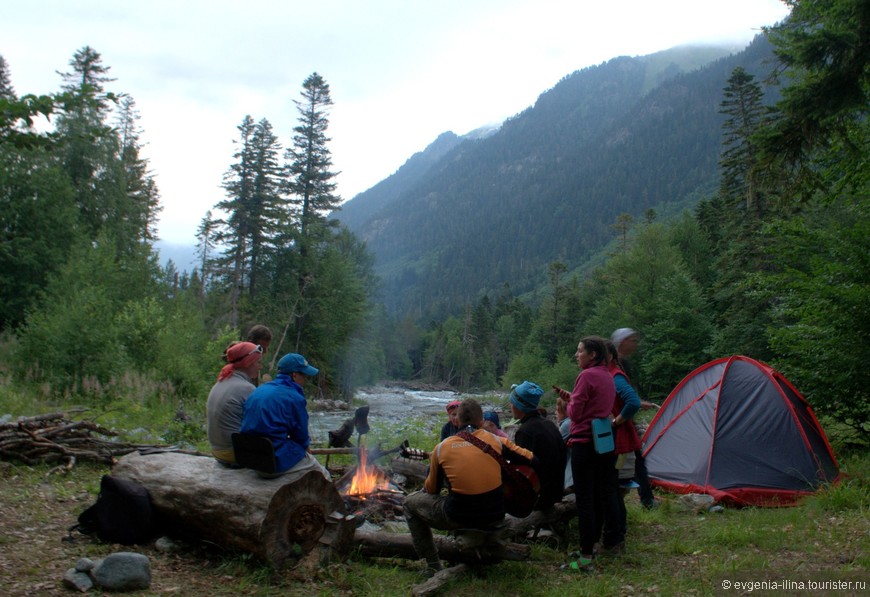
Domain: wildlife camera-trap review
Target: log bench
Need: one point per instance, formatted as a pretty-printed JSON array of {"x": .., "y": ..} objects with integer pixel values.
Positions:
[{"x": 196, "y": 497}]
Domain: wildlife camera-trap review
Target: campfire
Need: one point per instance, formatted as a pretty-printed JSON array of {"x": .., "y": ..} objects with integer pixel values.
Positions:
[{"x": 368, "y": 491}]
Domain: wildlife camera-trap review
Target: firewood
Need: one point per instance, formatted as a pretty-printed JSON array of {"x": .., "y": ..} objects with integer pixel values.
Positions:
[{"x": 434, "y": 585}]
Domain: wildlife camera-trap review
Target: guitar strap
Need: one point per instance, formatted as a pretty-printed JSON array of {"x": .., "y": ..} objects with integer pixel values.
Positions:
[{"x": 486, "y": 448}]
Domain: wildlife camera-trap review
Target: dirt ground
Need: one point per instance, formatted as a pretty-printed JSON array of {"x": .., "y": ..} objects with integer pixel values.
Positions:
[{"x": 36, "y": 549}]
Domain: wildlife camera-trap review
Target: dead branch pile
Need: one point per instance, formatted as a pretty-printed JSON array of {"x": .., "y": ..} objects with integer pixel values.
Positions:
[{"x": 56, "y": 438}]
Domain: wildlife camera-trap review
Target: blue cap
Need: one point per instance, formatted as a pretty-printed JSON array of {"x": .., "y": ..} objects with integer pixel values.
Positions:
[
  {"x": 526, "y": 396},
  {"x": 292, "y": 362},
  {"x": 491, "y": 415}
]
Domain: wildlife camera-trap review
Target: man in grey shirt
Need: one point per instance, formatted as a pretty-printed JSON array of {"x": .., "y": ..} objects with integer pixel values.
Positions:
[{"x": 227, "y": 398}]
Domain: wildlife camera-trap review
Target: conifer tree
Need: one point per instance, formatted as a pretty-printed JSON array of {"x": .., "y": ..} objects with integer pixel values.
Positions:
[
  {"x": 236, "y": 229},
  {"x": 137, "y": 181},
  {"x": 744, "y": 113},
  {"x": 268, "y": 213},
  {"x": 89, "y": 147},
  {"x": 6, "y": 90},
  {"x": 311, "y": 183}
]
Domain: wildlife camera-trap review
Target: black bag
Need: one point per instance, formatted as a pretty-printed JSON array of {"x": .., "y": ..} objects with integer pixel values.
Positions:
[{"x": 122, "y": 513}]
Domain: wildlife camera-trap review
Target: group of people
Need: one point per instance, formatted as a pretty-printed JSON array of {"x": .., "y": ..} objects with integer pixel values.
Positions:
[
  {"x": 564, "y": 456},
  {"x": 276, "y": 408}
]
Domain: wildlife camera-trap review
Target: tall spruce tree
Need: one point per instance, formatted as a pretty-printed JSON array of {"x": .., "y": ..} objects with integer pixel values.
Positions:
[
  {"x": 268, "y": 213},
  {"x": 311, "y": 183},
  {"x": 7, "y": 92},
  {"x": 91, "y": 150},
  {"x": 137, "y": 181},
  {"x": 744, "y": 111},
  {"x": 235, "y": 231}
]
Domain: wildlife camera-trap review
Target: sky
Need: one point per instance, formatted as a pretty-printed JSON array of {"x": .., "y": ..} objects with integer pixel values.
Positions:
[{"x": 401, "y": 72}]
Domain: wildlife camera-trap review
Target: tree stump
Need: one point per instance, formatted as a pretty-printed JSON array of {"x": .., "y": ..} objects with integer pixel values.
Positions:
[{"x": 196, "y": 497}]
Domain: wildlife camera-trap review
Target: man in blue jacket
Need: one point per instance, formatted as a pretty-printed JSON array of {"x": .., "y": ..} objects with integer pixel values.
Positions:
[{"x": 277, "y": 410}]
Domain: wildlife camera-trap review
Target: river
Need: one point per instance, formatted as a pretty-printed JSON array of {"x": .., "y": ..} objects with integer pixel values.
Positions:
[{"x": 390, "y": 406}]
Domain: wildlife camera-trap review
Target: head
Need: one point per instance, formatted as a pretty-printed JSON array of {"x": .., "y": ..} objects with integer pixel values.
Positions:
[
  {"x": 297, "y": 368},
  {"x": 260, "y": 334},
  {"x": 453, "y": 412},
  {"x": 491, "y": 416},
  {"x": 525, "y": 398},
  {"x": 591, "y": 351},
  {"x": 625, "y": 341},
  {"x": 242, "y": 356},
  {"x": 470, "y": 413},
  {"x": 227, "y": 350}
]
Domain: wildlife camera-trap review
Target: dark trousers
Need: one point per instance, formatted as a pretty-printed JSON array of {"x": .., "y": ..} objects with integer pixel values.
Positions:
[
  {"x": 596, "y": 487},
  {"x": 641, "y": 476}
]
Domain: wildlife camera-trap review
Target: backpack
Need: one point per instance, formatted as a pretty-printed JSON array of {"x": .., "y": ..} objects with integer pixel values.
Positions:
[{"x": 122, "y": 513}]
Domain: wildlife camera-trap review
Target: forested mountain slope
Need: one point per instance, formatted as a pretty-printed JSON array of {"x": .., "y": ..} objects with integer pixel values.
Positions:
[{"x": 469, "y": 215}]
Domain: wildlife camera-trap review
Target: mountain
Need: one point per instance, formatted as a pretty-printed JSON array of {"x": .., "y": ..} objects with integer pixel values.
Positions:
[
  {"x": 182, "y": 256},
  {"x": 470, "y": 214}
]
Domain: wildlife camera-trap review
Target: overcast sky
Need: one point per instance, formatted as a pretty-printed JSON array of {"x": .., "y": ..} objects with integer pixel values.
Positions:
[{"x": 401, "y": 72}]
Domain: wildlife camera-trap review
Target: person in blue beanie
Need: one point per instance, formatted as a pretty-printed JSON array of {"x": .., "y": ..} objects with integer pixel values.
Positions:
[
  {"x": 492, "y": 424},
  {"x": 277, "y": 410},
  {"x": 541, "y": 436}
]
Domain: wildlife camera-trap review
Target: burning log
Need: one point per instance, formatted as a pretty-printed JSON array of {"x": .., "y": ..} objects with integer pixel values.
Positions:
[{"x": 280, "y": 522}]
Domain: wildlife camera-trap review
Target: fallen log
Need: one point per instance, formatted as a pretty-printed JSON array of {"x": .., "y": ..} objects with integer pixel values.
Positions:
[
  {"x": 195, "y": 497},
  {"x": 399, "y": 545},
  {"x": 557, "y": 518},
  {"x": 434, "y": 585},
  {"x": 413, "y": 470}
]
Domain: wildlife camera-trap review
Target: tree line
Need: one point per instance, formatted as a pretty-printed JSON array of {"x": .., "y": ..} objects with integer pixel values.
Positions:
[{"x": 85, "y": 302}]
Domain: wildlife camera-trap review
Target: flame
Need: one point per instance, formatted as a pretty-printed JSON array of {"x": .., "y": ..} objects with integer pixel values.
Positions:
[{"x": 367, "y": 478}]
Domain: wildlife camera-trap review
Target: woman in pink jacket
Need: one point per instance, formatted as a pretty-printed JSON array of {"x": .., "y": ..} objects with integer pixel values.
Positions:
[{"x": 596, "y": 480}]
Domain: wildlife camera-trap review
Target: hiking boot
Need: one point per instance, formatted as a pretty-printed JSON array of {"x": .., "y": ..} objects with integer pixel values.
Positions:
[
  {"x": 652, "y": 504},
  {"x": 432, "y": 569}
]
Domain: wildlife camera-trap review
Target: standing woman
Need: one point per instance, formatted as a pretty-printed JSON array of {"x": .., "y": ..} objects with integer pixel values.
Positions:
[{"x": 596, "y": 480}]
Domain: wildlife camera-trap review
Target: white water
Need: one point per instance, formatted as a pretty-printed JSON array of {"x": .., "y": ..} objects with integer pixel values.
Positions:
[{"x": 389, "y": 406}]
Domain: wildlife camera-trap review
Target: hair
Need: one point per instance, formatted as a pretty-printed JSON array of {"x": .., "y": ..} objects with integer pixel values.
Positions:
[
  {"x": 470, "y": 413},
  {"x": 612, "y": 353},
  {"x": 597, "y": 346},
  {"x": 259, "y": 334}
]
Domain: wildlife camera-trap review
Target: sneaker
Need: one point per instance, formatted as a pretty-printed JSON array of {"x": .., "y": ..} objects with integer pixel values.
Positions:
[
  {"x": 652, "y": 505},
  {"x": 581, "y": 564}
]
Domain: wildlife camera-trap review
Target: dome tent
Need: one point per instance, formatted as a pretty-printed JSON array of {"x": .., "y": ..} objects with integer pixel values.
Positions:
[{"x": 738, "y": 430}]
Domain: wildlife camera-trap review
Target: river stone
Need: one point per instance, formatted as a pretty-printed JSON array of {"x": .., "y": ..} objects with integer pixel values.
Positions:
[
  {"x": 123, "y": 571},
  {"x": 78, "y": 581},
  {"x": 84, "y": 565}
]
